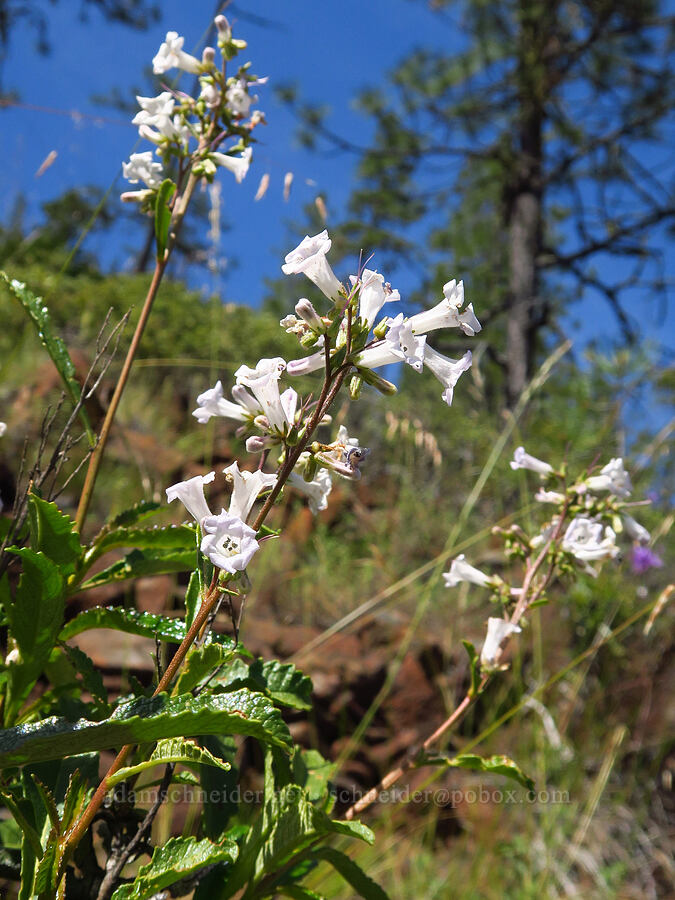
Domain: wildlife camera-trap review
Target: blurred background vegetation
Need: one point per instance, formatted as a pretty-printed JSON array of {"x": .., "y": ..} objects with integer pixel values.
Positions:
[{"x": 547, "y": 192}]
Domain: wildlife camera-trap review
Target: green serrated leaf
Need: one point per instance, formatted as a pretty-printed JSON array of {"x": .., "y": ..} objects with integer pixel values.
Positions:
[
  {"x": 138, "y": 564},
  {"x": 283, "y": 682},
  {"x": 288, "y": 825},
  {"x": 178, "y": 858},
  {"x": 353, "y": 874},
  {"x": 200, "y": 662},
  {"x": 147, "y": 719},
  {"x": 55, "y": 347},
  {"x": 92, "y": 679},
  {"x": 49, "y": 803},
  {"x": 35, "y": 618},
  {"x": 29, "y": 832},
  {"x": 134, "y": 514},
  {"x": 474, "y": 667},
  {"x": 54, "y": 533},
  {"x": 314, "y": 774},
  {"x": 174, "y": 750},
  {"x": 169, "y": 537},
  {"x": 494, "y": 765},
  {"x": 131, "y": 621},
  {"x": 165, "y": 192},
  {"x": 45, "y": 874}
]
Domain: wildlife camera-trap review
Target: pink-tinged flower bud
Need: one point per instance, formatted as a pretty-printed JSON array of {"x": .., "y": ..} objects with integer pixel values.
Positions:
[
  {"x": 255, "y": 444},
  {"x": 208, "y": 56},
  {"x": 223, "y": 26},
  {"x": 305, "y": 310}
]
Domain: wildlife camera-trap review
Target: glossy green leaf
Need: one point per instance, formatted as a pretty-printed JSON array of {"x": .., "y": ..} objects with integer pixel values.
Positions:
[
  {"x": 140, "y": 563},
  {"x": 134, "y": 514},
  {"x": 494, "y": 765},
  {"x": 174, "y": 750},
  {"x": 55, "y": 347},
  {"x": 169, "y": 537},
  {"x": 178, "y": 858},
  {"x": 283, "y": 682},
  {"x": 288, "y": 825},
  {"x": 35, "y": 618},
  {"x": 147, "y": 719},
  {"x": 133, "y": 622},
  {"x": 54, "y": 533},
  {"x": 92, "y": 680},
  {"x": 165, "y": 192},
  {"x": 192, "y": 598}
]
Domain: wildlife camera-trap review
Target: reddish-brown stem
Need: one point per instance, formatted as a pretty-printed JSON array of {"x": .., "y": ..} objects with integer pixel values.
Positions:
[
  {"x": 521, "y": 607},
  {"x": 328, "y": 393}
]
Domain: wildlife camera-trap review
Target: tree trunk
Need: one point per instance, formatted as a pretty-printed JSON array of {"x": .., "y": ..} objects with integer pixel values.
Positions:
[{"x": 523, "y": 208}]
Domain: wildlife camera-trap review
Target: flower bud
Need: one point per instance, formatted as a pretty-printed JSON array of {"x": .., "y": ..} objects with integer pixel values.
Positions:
[
  {"x": 379, "y": 383},
  {"x": 380, "y": 329},
  {"x": 208, "y": 57},
  {"x": 223, "y": 26},
  {"x": 355, "y": 385},
  {"x": 305, "y": 310},
  {"x": 255, "y": 444},
  {"x": 311, "y": 468}
]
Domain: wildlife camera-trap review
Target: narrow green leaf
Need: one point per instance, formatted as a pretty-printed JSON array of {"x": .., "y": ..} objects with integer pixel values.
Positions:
[
  {"x": 165, "y": 192},
  {"x": 169, "y": 537},
  {"x": 29, "y": 833},
  {"x": 174, "y": 750},
  {"x": 92, "y": 679},
  {"x": 178, "y": 858},
  {"x": 192, "y": 598},
  {"x": 45, "y": 874},
  {"x": 54, "y": 533},
  {"x": 352, "y": 873},
  {"x": 138, "y": 564},
  {"x": 49, "y": 803},
  {"x": 147, "y": 719},
  {"x": 55, "y": 347},
  {"x": 35, "y": 618},
  {"x": 474, "y": 667},
  {"x": 131, "y": 621},
  {"x": 494, "y": 765},
  {"x": 134, "y": 514}
]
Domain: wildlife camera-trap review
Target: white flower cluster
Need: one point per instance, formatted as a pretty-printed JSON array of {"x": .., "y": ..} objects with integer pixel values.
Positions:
[
  {"x": 398, "y": 339},
  {"x": 173, "y": 119}
]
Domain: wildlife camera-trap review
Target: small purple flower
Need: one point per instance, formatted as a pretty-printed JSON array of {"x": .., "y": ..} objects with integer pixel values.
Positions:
[{"x": 643, "y": 558}]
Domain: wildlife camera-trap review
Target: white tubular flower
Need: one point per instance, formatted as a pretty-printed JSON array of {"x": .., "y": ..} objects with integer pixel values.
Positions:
[
  {"x": 498, "y": 631},
  {"x": 212, "y": 403},
  {"x": 238, "y": 165},
  {"x": 586, "y": 540},
  {"x": 633, "y": 529},
  {"x": 191, "y": 495},
  {"x": 289, "y": 403},
  {"x": 448, "y": 371},
  {"x": 210, "y": 94},
  {"x": 373, "y": 294},
  {"x": 316, "y": 491},
  {"x": 3, "y": 428},
  {"x": 446, "y": 314},
  {"x": 228, "y": 542},
  {"x": 305, "y": 310},
  {"x": 543, "y": 496},
  {"x": 245, "y": 489},
  {"x": 172, "y": 56},
  {"x": 460, "y": 570},
  {"x": 307, "y": 364},
  {"x": 156, "y": 112},
  {"x": 399, "y": 337},
  {"x": 264, "y": 382},
  {"x": 613, "y": 478},
  {"x": 245, "y": 400},
  {"x": 309, "y": 258},
  {"x": 523, "y": 460},
  {"x": 238, "y": 98},
  {"x": 142, "y": 167},
  {"x": 382, "y": 353}
]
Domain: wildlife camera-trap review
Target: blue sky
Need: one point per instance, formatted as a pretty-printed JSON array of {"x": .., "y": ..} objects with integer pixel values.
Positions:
[{"x": 331, "y": 49}]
